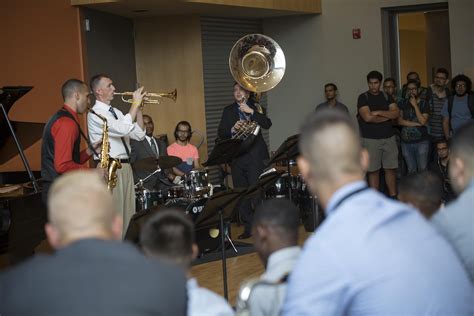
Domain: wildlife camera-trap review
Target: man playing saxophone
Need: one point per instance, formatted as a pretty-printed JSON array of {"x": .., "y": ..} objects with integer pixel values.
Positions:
[
  {"x": 249, "y": 165},
  {"x": 120, "y": 128},
  {"x": 60, "y": 148}
]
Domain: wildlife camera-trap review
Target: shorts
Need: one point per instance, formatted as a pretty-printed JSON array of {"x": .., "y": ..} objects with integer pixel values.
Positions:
[{"x": 382, "y": 153}]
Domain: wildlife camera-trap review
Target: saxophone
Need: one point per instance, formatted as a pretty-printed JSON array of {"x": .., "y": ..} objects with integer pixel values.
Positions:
[{"x": 106, "y": 162}]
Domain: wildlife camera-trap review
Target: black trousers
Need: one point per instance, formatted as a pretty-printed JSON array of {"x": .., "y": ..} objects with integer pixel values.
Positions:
[{"x": 245, "y": 173}]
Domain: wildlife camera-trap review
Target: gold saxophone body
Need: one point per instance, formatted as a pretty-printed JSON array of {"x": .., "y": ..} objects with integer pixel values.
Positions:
[{"x": 106, "y": 162}]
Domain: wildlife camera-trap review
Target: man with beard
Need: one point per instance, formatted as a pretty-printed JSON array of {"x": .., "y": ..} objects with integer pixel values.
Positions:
[
  {"x": 460, "y": 107},
  {"x": 183, "y": 149},
  {"x": 440, "y": 167},
  {"x": 60, "y": 149},
  {"x": 437, "y": 96}
]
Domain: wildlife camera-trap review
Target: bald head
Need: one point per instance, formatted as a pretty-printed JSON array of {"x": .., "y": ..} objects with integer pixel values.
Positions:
[
  {"x": 80, "y": 206},
  {"x": 461, "y": 165},
  {"x": 330, "y": 142}
]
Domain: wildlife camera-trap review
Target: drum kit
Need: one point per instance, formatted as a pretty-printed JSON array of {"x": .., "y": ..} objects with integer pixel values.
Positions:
[{"x": 190, "y": 194}]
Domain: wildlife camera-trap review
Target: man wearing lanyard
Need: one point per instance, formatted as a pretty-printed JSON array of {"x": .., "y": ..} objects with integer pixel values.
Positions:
[
  {"x": 60, "y": 149},
  {"x": 121, "y": 128},
  {"x": 372, "y": 255}
]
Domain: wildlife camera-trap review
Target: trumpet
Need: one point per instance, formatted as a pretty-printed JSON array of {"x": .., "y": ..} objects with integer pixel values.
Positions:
[{"x": 149, "y": 98}]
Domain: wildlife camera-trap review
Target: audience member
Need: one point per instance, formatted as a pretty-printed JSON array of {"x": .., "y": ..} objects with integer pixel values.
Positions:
[
  {"x": 275, "y": 232},
  {"x": 437, "y": 96},
  {"x": 413, "y": 75},
  {"x": 423, "y": 190},
  {"x": 375, "y": 112},
  {"x": 390, "y": 88},
  {"x": 169, "y": 236},
  {"x": 440, "y": 167},
  {"x": 330, "y": 92},
  {"x": 414, "y": 134},
  {"x": 460, "y": 107},
  {"x": 91, "y": 272},
  {"x": 456, "y": 221},
  {"x": 372, "y": 255}
]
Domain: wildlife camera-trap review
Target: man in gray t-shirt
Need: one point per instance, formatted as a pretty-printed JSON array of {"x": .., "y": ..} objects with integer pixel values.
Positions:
[
  {"x": 460, "y": 107},
  {"x": 330, "y": 92}
]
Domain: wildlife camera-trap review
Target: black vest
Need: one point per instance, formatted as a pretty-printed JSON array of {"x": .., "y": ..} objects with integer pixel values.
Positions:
[{"x": 48, "y": 172}]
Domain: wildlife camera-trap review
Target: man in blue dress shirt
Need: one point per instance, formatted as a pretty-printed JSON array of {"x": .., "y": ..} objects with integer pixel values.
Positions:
[{"x": 372, "y": 255}]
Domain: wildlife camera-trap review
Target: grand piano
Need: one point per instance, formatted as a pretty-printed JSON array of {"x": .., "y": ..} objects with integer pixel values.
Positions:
[{"x": 22, "y": 213}]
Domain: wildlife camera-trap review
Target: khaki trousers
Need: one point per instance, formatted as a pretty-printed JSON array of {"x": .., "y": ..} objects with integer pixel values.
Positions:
[{"x": 124, "y": 195}]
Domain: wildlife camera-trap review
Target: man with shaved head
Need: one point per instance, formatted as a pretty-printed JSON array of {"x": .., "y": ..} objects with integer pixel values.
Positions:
[
  {"x": 91, "y": 272},
  {"x": 372, "y": 255}
]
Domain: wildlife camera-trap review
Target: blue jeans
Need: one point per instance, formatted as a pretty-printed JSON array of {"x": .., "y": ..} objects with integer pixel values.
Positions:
[{"x": 416, "y": 155}]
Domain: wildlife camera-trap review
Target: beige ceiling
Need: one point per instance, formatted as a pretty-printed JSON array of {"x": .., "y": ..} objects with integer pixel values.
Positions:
[{"x": 146, "y": 8}]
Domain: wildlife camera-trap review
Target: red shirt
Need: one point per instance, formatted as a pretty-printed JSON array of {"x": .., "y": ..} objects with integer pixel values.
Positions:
[{"x": 65, "y": 133}]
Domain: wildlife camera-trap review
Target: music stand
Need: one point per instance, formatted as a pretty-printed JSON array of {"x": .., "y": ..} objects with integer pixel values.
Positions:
[
  {"x": 219, "y": 207},
  {"x": 223, "y": 152},
  {"x": 287, "y": 150}
]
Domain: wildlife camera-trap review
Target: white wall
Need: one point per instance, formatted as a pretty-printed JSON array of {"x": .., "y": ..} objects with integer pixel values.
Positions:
[{"x": 320, "y": 49}]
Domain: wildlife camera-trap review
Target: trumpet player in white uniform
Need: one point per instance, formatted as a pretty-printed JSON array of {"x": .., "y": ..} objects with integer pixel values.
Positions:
[{"x": 121, "y": 128}]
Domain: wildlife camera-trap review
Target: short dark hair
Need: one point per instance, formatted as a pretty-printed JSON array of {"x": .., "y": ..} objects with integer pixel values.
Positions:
[
  {"x": 391, "y": 80},
  {"x": 464, "y": 78},
  {"x": 71, "y": 86},
  {"x": 415, "y": 82},
  {"x": 424, "y": 190},
  {"x": 413, "y": 73},
  {"x": 374, "y": 74},
  {"x": 169, "y": 235},
  {"x": 462, "y": 145},
  {"x": 146, "y": 115},
  {"x": 443, "y": 71},
  {"x": 186, "y": 123},
  {"x": 94, "y": 82},
  {"x": 280, "y": 214},
  {"x": 441, "y": 141},
  {"x": 330, "y": 85}
]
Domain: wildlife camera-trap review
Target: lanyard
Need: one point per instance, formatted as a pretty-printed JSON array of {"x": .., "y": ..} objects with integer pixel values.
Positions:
[{"x": 347, "y": 196}]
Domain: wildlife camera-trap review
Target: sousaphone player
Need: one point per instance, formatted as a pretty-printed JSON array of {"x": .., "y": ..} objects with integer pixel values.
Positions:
[{"x": 257, "y": 64}]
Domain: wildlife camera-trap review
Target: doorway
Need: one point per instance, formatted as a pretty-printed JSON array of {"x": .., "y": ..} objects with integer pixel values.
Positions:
[{"x": 416, "y": 38}]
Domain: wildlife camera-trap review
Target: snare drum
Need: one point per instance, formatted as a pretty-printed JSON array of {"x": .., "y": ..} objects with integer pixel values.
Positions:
[
  {"x": 196, "y": 183},
  {"x": 176, "y": 192},
  {"x": 146, "y": 199}
]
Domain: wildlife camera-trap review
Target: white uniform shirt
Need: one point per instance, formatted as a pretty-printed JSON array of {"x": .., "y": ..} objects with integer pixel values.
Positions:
[{"x": 121, "y": 127}]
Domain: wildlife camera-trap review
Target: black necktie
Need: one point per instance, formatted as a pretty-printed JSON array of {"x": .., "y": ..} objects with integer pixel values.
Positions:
[
  {"x": 111, "y": 110},
  {"x": 153, "y": 147}
]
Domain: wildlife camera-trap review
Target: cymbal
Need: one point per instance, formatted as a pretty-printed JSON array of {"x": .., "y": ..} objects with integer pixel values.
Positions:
[{"x": 151, "y": 163}]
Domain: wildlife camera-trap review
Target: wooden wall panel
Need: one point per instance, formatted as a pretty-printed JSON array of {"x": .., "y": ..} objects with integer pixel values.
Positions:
[
  {"x": 41, "y": 47},
  {"x": 169, "y": 55}
]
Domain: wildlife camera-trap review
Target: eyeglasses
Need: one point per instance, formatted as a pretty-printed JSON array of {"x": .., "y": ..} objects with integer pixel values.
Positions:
[
  {"x": 440, "y": 78},
  {"x": 460, "y": 85},
  {"x": 183, "y": 132},
  {"x": 442, "y": 148}
]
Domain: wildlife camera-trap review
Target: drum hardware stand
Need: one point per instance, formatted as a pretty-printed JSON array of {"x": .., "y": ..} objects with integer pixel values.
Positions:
[{"x": 140, "y": 182}]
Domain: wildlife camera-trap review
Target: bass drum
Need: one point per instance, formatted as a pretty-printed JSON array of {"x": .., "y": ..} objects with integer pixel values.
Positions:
[{"x": 192, "y": 207}]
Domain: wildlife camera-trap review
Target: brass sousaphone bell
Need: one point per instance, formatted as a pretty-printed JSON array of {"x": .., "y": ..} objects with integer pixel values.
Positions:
[{"x": 257, "y": 63}]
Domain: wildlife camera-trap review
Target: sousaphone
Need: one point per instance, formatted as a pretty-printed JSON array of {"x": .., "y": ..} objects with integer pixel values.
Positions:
[{"x": 257, "y": 63}]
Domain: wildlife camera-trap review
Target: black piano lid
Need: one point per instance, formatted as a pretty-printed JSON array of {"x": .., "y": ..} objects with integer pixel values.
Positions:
[{"x": 27, "y": 133}]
